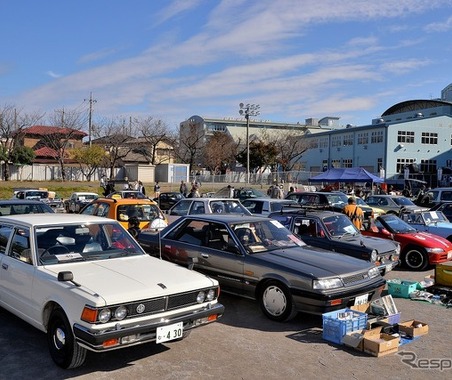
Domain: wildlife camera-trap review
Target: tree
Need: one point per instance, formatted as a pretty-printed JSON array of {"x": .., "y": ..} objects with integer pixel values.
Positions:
[
  {"x": 219, "y": 153},
  {"x": 64, "y": 128},
  {"x": 90, "y": 158},
  {"x": 115, "y": 138},
  {"x": 262, "y": 155},
  {"x": 155, "y": 136},
  {"x": 190, "y": 144},
  {"x": 290, "y": 146},
  {"x": 12, "y": 123}
]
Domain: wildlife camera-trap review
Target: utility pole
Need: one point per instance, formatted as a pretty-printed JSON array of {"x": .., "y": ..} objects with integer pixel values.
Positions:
[{"x": 90, "y": 115}]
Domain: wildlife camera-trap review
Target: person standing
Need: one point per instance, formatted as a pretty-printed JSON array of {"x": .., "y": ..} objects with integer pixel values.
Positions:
[
  {"x": 156, "y": 190},
  {"x": 183, "y": 188},
  {"x": 354, "y": 212},
  {"x": 141, "y": 188}
]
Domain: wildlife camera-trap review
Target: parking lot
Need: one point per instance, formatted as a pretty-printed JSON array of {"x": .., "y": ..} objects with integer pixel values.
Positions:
[{"x": 243, "y": 345}]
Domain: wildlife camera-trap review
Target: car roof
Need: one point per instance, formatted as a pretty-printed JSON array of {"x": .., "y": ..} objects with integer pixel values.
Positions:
[
  {"x": 8, "y": 202},
  {"x": 305, "y": 212},
  {"x": 125, "y": 200},
  {"x": 52, "y": 219},
  {"x": 226, "y": 218},
  {"x": 84, "y": 193}
]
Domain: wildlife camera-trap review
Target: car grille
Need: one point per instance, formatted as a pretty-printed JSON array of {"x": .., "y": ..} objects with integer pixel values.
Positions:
[
  {"x": 161, "y": 304},
  {"x": 355, "y": 278}
]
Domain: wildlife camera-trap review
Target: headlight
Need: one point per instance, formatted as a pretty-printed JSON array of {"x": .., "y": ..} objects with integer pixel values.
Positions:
[
  {"x": 210, "y": 295},
  {"x": 397, "y": 249},
  {"x": 201, "y": 297},
  {"x": 121, "y": 313},
  {"x": 373, "y": 255},
  {"x": 374, "y": 272},
  {"x": 104, "y": 315},
  {"x": 435, "y": 250},
  {"x": 329, "y": 283}
]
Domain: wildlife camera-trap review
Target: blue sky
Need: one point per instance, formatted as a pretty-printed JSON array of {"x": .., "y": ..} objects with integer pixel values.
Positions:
[{"x": 170, "y": 60}]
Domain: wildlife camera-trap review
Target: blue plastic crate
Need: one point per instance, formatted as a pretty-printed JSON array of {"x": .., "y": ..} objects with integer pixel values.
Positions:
[
  {"x": 402, "y": 288},
  {"x": 335, "y": 328}
]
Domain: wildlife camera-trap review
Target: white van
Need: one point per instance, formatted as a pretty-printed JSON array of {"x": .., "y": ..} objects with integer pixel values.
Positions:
[{"x": 439, "y": 194}]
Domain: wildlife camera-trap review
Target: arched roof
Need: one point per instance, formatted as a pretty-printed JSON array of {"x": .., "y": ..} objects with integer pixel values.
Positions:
[{"x": 415, "y": 105}]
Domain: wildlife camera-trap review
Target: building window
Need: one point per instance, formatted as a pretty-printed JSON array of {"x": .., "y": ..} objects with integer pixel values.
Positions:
[
  {"x": 363, "y": 138},
  {"x": 377, "y": 137},
  {"x": 405, "y": 137},
  {"x": 428, "y": 166},
  {"x": 314, "y": 143},
  {"x": 336, "y": 141},
  {"x": 335, "y": 163},
  {"x": 429, "y": 138},
  {"x": 402, "y": 162},
  {"x": 348, "y": 139},
  {"x": 323, "y": 142},
  {"x": 347, "y": 163}
]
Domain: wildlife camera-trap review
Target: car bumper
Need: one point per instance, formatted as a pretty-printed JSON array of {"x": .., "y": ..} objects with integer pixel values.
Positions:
[
  {"x": 312, "y": 303},
  {"x": 385, "y": 267},
  {"x": 102, "y": 340}
]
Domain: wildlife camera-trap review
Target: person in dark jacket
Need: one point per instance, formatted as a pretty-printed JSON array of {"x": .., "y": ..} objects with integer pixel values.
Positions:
[{"x": 134, "y": 226}]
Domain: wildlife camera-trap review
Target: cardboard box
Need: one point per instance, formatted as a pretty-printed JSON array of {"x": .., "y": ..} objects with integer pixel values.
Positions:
[
  {"x": 443, "y": 274},
  {"x": 354, "y": 339},
  {"x": 413, "y": 328},
  {"x": 379, "y": 344}
]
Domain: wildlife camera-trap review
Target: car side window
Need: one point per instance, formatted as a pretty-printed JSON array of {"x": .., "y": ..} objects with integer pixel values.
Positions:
[
  {"x": 197, "y": 208},
  {"x": 5, "y": 232},
  {"x": 20, "y": 246}
]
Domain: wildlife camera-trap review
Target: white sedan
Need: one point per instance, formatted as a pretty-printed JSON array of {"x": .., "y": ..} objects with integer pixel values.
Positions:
[{"x": 88, "y": 284}]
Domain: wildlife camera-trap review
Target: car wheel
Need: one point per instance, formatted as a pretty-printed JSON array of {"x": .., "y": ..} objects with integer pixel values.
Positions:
[
  {"x": 276, "y": 302},
  {"x": 416, "y": 259},
  {"x": 63, "y": 348}
]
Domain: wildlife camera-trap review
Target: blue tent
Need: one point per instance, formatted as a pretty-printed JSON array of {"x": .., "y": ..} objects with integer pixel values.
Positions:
[{"x": 346, "y": 175}]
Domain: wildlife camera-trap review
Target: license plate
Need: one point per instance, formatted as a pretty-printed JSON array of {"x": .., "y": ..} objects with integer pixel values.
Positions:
[
  {"x": 360, "y": 300},
  {"x": 170, "y": 332}
]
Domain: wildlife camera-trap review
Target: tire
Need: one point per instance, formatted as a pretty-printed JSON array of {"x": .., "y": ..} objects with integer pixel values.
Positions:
[
  {"x": 63, "y": 348},
  {"x": 416, "y": 259},
  {"x": 276, "y": 302}
]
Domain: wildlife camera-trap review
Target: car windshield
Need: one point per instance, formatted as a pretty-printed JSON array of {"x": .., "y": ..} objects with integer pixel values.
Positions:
[
  {"x": 265, "y": 236},
  {"x": 340, "y": 225},
  {"x": 395, "y": 225},
  {"x": 402, "y": 201},
  {"x": 83, "y": 242},
  {"x": 427, "y": 217},
  {"x": 337, "y": 199},
  {"x": 144, "y": 212},
  {"x": 228, "y": 207}
]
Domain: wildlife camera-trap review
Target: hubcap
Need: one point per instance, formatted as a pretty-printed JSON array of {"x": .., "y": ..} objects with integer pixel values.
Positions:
[
  {"x": 414, "y": 259},
  {"x": 274, "y": 300},
  {"x": 59, "y": 338}
]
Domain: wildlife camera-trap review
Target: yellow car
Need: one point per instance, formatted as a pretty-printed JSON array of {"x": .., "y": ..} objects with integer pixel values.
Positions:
[{"x": 146, "y": 210}]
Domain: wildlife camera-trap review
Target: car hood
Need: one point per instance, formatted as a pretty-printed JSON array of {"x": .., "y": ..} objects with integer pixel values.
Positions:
[
  {"x": 371, "y": 242},
  {"x": 314, "y": 262},
  {"x": 426, "y": 240},
  {"x": 132, "y": 278}
]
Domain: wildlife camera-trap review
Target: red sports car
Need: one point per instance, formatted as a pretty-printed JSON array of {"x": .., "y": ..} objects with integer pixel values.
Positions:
[{"x": 418, "y": 250}]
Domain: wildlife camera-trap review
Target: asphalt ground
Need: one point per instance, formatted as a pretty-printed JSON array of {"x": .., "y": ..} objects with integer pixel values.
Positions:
[{"x": 244, "y": 345}]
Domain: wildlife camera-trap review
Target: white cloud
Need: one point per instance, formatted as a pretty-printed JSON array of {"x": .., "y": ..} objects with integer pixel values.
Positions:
[
  {"x": 53, "y": 74},
  {"x": 439, "y": 26}
]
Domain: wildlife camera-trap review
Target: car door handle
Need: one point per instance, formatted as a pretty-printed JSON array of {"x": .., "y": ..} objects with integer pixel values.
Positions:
[
  {"x": 205, "y": 255},
  {"x": 5, "y": 266}
]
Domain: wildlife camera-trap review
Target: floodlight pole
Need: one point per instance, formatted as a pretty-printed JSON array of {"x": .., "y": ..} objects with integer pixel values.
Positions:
[{"x": 247, "y": 111}]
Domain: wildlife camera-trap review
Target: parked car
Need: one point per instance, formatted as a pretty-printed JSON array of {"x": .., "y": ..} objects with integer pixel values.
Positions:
[
  {"x": 335, "y": 232},
  {"x": 147, "y": 211},
  {"x": 434, "y": 222},
  {"x": 393, "y": 204},
  {"x": 241, "y": 193},
  {"x": 257, "y": 257},
  {"x": 265, "y": 206},
  {"x": 418, "y": 249},
  {"x": 42, "y": 195},
  {"x": 78, "y": 200},
  {"x": 192, "y": 206},
  {"x": 168, "y": 199},
  {"x": 445, "y": 207},
  {"x": 437, "y": 195},
  {"x": 86, "y": 283},
  {"x": 23, "y": 206},
  {"x": 123, "y": 194},
  {"x": 334, "y": 200}
]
